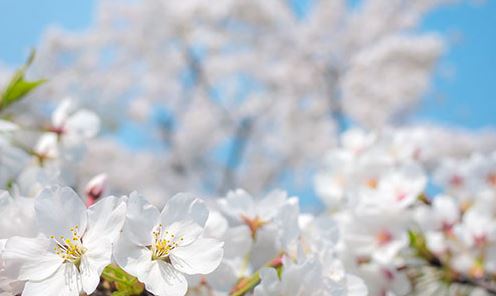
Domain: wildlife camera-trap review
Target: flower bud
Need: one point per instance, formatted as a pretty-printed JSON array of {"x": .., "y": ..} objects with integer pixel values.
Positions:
[{"x": 94, "y": 189}]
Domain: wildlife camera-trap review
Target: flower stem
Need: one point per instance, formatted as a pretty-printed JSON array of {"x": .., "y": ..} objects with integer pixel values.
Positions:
[
  {"x": 418, "y": 243},
  {"x": 245, "y": 285}
]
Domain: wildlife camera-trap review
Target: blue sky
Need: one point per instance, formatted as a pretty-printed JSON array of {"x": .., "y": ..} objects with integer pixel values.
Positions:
[
  {"x": 465, "y": 98},
  {"x": 468, "y": 98}
]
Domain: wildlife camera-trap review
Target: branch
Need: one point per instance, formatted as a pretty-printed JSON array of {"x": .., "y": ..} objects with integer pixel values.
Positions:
[
  {"x": 236, "y": 153},
  {"x": 331, "y": 77},
  {"x": 418, "y": 243}
]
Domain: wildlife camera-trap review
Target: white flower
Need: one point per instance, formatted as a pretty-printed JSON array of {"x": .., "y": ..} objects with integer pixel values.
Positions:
[
  {"x": 307, "y": 277},
  {"x": 399, "y": 188},
  {"x": 241, "y": 207},
  {"x": 158, "y": 248},
  {"x": 69, "y": 122},
  {"x": 273, "y": 221},
  {"x": 455, "y": 177},
  {"x": 73, "y": 247},
  {"x": 347, "y": 172},
  {"x": 378, "y": 236},
  {"x": 275, "y": 208},
  {"x": 319, "y": 238},
  {"x": 384, "y": 280},
  {"x": 478, "y": 228},
  {"x": 296, "y": 280},
  {"x": 318, "y": 234},
  {"x": 69, "y": 128},
  {"x": 237, "y": 243},
  {"x": 441, "y": 215},
  {"x": 46, "y": 147},
  {"x": 332, "y": 183}
]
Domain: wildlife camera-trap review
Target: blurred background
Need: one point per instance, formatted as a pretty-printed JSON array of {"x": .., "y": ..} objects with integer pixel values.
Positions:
[
  {"x": 450, "y": 48},
  {"x": 463, "y": 87}
]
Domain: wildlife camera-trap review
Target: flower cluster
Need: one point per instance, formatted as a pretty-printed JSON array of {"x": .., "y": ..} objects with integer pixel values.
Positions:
[
  {"x": 240, "y": 94},
  {"x": 73, "y": 244},
  {"x": 407, "y": 226},
  {"x": 399, "y": 218},
  {"x": 55, "y": 241}
]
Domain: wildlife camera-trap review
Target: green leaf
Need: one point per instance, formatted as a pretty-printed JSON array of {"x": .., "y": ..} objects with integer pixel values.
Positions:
[
  {"x": 120, "y": 293},
  {"x": 126, "y": 284},
  {"x": 18, "y": 86},
  {"x": 412, "y": 238},
  {"x": 419, "y": 244}
]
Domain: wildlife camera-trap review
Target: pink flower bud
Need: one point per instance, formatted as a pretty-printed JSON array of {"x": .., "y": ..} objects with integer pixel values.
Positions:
[{"x": 94, "y": 189}]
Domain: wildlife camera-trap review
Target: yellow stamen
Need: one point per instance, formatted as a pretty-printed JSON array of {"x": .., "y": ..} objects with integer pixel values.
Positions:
[
  {"x": 163, "y": 244},
  {"x": 70, "y": 249}
]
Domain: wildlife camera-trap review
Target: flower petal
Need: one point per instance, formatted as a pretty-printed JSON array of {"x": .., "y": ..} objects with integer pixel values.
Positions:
[
  {"x": 92, "y": 264},
  {"x": 184, "y": 206},
  {"x": 185, "y": 232},
  {"x": 141, "y": 217},
  {"x": 238, "y": 241},
  {"x": 66, "y": 281},
  {"x": 270, "y": 284},
  {"x": 162, "y": 279},
  {"x": 61, "y": 113},
  {"x": 130, "y": 255},
  {"x": 223, "y": 278},
  {"x": 47, "y": 145},
  {"x": 270, "y": 206},
  {"x": 30, "y": 258},
  {"x": 238, "y": 204},
  {"x": 355, "y": 286},
  {"x": 59, "y": 209},
  {"x": 202, "y": 256},
  {"x": 105, "y": 219}
]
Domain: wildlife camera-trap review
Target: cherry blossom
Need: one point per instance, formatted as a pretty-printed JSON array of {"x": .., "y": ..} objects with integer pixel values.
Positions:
[
  {"x": 160, "y": 247},
  {"x": 73, "y": 247}
]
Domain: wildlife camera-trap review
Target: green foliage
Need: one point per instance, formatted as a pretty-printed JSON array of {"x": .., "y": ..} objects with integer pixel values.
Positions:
[
  {"x": 419, "y": 245},
  {"x": 246, "y": 285},
  {"x": 126, "y": 285},
  {"x": 18, "y": 86}
]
